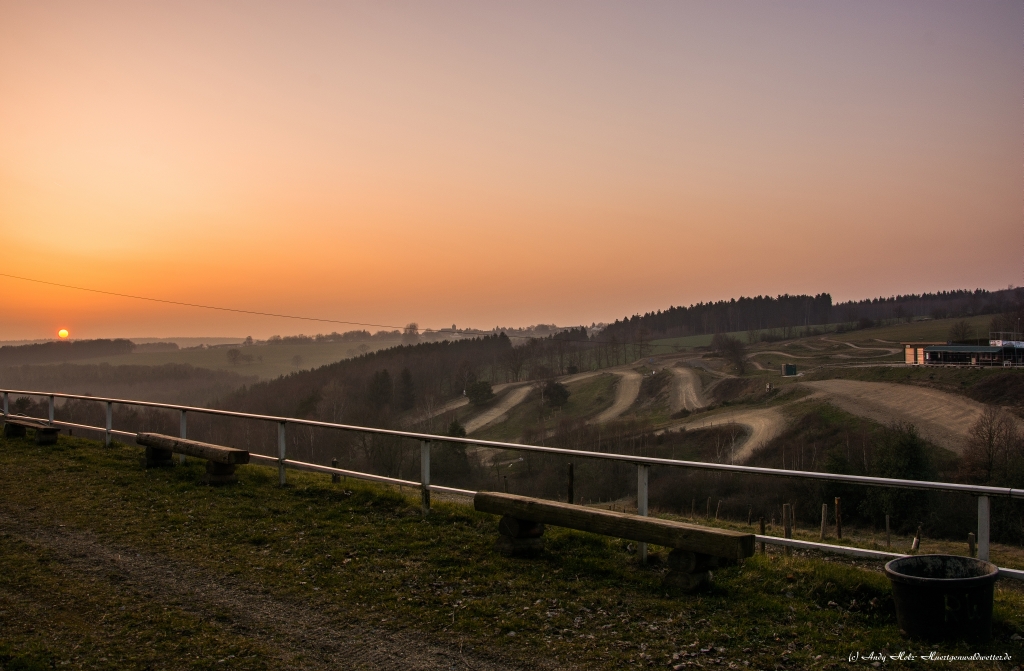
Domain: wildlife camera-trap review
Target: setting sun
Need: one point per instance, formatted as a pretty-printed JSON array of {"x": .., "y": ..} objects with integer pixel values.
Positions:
[{"x": 63, "y": 333}]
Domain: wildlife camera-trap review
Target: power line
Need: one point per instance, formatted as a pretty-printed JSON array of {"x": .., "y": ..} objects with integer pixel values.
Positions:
[{"x": 258, "y": 313}]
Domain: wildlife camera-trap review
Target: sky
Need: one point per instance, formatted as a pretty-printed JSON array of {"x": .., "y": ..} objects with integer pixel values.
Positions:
[{"x": 485, "y": 163}]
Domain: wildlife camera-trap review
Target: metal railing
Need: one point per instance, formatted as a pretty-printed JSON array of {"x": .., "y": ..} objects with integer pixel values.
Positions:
[{"x": 643, "y": 464}]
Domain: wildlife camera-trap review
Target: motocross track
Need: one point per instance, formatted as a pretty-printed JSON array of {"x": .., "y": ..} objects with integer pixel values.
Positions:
[
  {"x": 626, "y": 392},
  {"x": 944, "y": 419},
  {"x": 686, "y": 390}
]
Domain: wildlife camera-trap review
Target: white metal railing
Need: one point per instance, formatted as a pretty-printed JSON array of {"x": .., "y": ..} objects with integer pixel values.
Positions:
[{"x": 643, "y": 464}]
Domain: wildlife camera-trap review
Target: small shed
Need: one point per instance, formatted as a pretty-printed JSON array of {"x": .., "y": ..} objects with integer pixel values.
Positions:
[{"x": 788, "y": 369}]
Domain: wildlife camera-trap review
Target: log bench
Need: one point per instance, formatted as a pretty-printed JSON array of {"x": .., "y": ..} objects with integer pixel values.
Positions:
[
  {"x": 220, "y": 460},
  {"x": 15, "y": 426},
  {"x": 695, "y": 549}
]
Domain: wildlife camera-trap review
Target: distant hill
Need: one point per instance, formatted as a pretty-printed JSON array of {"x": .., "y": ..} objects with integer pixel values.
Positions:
[{"x": 63, "y": 351}]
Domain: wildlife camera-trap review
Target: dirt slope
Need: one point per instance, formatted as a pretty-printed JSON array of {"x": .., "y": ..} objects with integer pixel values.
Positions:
[
  {"x": 625, "y": 395},
  {"x": 499, "y": 409},
  {"x": 942, "y": 418},
  {"x": 686, "y": 392}
]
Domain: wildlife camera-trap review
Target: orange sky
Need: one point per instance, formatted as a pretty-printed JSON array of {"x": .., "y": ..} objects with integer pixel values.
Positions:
[{"x": 498, "y": 163}]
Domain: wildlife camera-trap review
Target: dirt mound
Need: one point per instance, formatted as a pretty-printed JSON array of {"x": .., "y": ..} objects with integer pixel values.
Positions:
[{"x": 734, "y": 388}]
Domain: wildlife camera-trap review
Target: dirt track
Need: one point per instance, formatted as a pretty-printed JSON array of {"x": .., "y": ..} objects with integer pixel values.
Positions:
[
  {"x": 686, "y": 390},
  {"x": 513, "y": 398},
  {"x": 625, "y": 395},
  {"x": 764, "y": 424},
  {"x": 305, "y": 634},
  {"x": 942, "y": 418}
]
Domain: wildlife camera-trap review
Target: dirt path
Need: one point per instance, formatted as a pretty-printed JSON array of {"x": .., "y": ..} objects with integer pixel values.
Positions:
[
  {"x": 942, "y": 418},
  {"x": 303, "y": 632},
  {"x": 513, "y": 398},
  {"x": 686, "y": 390},
  {"x": 764, "y": 424},
  {"x": 626, "y": 392},
  {"x": 890, "y": 350}
]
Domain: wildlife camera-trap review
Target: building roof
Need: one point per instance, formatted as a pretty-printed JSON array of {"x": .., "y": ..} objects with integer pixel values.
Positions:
[{"x": 964, "y": 349}]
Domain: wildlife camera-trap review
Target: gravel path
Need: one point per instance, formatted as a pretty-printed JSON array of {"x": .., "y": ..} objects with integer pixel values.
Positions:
[
  {"x": 499, "y": 409},
  {"x": 763, "y": 424}
]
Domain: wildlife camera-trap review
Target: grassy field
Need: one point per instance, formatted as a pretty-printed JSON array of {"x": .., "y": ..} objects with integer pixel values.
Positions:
[
  {"x": 106, "y": 565},
  {"x": 268, "y": 361}
]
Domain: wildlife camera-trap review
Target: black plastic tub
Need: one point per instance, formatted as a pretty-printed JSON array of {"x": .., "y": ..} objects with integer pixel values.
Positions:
[{"x": 943, "y": 597}]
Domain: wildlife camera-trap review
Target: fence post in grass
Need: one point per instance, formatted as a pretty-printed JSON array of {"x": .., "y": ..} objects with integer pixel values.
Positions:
[
  {"x": 183, "y": 434},
  {"x": 984, "y": 517},
  {"x": 839, "y": 519},
  {"x": 642, "y": 471},
  {"x": 707, "y": 515},
  {"x": 824, "y": 519},
  {"x": 750, "y": 511},
  {"x": 335, "y": 478},
  {"x": 425, "y": 474},
  {"x": 888, "y": 538},
  {"x": 572, "y": 493},
  {"x": 787, "y": 525},
  {"x": 718, "y": 508},
  {"x": 970, "y": 544},
  {"x": 762, "y": 533},
  {"x": 281, "y": 447},
  {"x": 693, "y": 509},
  {"x": 51, "y": 410},
  {"x": 110, "y": 423}
]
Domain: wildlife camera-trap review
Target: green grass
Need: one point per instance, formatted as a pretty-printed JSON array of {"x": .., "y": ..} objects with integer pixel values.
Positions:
[{"x": 364, "y": 558}]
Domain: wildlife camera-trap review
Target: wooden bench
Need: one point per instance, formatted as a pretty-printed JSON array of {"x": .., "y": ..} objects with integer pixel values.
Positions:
[
  {"x": 695, "y": 549},
  {"x": 220, "y": 460},
  {"x": 15, "y": 426}
]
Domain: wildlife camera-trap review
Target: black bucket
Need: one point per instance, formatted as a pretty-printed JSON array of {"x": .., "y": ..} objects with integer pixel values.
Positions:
[{"x": 943, "y": 597}]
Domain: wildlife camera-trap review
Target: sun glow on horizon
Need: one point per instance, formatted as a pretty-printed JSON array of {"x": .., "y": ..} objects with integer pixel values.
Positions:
[{"x": 63, "y": 333}]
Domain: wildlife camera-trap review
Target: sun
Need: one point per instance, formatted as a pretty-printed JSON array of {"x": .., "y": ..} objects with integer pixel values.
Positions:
[{"x": 63, "y": 333}]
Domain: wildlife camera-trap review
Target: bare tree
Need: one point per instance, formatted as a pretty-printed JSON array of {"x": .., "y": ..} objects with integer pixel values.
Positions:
[{"x": 961, "y": 331}]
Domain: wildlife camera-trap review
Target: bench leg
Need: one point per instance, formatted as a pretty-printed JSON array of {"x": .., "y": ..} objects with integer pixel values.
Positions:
[
  {"x": 13, "y": 431},
  {"x": 46, "y": 436},
  {"x": 219, "y": 474},
  {"x": 689, "y": 571},
  {"x": 519, "y": 537},
  {"x": 157, "y": 458}
]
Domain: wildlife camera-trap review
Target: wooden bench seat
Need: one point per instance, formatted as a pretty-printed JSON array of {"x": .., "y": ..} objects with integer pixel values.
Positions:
[
  {"x": 16, "y": 425},
  {"x": 220, "y": 460},
  {"x": 695, "y": 549}
]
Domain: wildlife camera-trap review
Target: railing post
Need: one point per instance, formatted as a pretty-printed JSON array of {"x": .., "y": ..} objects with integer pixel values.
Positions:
[
  {"x": 642, "y": 471},
  {"x": 6, "y": 411},
  {"x": 182, "y": 433},
  {"x": 425, "y": 474},
  {"x": 110, "y": 423},
  {"x": 984, "y": 516},
  {"x": 51, "y": 410},
  {"x": 281, "y": 444}
]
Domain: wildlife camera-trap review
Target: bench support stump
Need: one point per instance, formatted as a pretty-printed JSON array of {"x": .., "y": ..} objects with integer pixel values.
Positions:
[
  {"x": 519, "y": 537},
  {"x": 13, "y": 430},
  {"x": 689, "y": 571},
  {"x": 157, "y": 458},
  {"x": 219, "y": 474}
]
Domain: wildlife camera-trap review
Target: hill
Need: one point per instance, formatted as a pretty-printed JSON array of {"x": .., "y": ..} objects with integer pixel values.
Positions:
[{"x": 105, "y": 564}]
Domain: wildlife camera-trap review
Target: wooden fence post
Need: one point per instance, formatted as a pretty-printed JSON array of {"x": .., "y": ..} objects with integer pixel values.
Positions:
[
  {"x": 335, "y": 478},
  {"x": 888, "y": 537},
  {"x": 762, "y": 533},
  {"x": 970, "y": 544},
  {"x": 787, "y": 527},
  {"x": 824, "y": 519},
  {"x": 572, "y": 493}
]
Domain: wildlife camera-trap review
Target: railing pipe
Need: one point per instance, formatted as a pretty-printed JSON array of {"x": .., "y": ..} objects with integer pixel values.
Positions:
[
  {"x": 281, "y": 445},
  {"x": 980, "y": 490},
  {"x": 984, "y": 518},
  {"x": 642, "y": 478},
  {"x": 110, "y": 423},
  {"x": 425, "y": 475}
]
